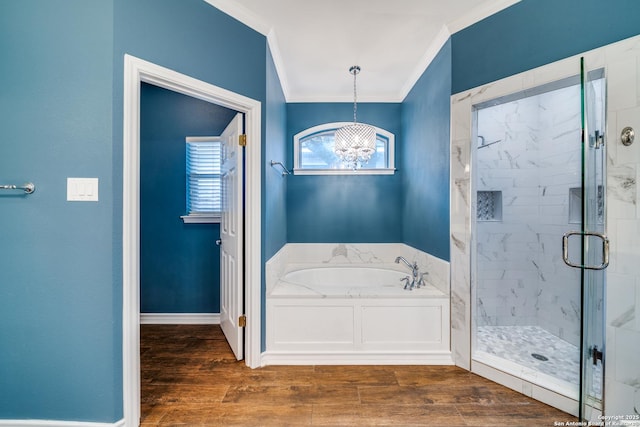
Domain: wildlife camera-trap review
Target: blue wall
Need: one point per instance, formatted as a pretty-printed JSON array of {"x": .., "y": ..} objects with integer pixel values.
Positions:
[
  {"x": 179, "y": 263},
  {"x": 61, "y": 262},
  {"x": 533, "y": 33},
  {"x": 60, "y": 331},
  {"x": 275, "y": 205},
  {"x": 274, "y": 208},
  {"x": 343, "y": 208},
  {"x": 425, "y": 159}
]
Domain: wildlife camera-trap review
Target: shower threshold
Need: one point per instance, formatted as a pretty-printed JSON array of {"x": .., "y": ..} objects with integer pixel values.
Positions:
[{"x": 532, "y": 354}]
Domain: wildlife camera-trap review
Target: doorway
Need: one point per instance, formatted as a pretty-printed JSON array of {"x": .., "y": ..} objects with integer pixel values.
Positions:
[
  {"x": 137, "y": 71},
  {"x": 179, "y": 265}
]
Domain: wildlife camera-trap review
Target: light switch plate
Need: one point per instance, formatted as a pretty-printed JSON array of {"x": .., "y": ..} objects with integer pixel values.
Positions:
[{"x": 82, "y": 189}]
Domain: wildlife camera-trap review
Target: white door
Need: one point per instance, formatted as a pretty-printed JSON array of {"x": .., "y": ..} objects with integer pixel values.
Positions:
[{"x": 231, "y": 237}]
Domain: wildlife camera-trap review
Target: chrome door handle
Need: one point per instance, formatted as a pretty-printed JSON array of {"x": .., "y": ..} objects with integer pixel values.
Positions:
[
  {"x": 219, "y": 242},
  {"x": 605, "y": 249}
]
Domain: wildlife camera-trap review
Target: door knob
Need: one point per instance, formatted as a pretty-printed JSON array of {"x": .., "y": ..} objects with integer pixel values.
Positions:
[{"x": 218, "y": 242}]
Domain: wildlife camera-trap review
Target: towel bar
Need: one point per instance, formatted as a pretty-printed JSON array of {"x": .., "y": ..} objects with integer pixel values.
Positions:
[{"x": 28, "y": 187}]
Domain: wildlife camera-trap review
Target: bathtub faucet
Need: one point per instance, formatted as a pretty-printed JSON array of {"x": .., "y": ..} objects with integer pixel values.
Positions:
[{"x": 414, "y": 271}]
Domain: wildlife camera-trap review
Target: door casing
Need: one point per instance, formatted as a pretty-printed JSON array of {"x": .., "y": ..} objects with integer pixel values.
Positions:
[{"x": 136, "y": 71}]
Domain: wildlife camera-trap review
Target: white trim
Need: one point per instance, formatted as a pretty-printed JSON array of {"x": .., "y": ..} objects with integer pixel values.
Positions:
[
  {"x": 474, "y": 16},
  {"x": 356, "y": 358},
  {"x": 242, "y": 14},
  {"x": 387, "y": 97},
  {"x": 48, "y": 423},
  {"x": 262, "y": 26},
  {"x": 201, "y": 218},
  {"x": 385, "y": 171},
  {"x": 135, "y": 71},
  {"x": 257, "y": 23},
  {"x": 391, "y": 152},
  {"x": 478, "y": 14},
  {"x": 424, "y": 62},
  {"x": 179, "y": 318},
  {"x": 276, "y": 55}
]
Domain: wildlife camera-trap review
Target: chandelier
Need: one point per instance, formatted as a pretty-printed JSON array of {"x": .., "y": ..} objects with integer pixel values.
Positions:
[{"x": 355, "y": 143}]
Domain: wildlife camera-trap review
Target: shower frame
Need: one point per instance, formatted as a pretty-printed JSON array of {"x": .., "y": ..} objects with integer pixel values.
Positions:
[{"x": 462, "y": 219}]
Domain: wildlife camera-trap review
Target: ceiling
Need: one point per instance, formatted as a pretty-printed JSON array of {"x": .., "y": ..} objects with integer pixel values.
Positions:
[{"x": 314, "y": 42}]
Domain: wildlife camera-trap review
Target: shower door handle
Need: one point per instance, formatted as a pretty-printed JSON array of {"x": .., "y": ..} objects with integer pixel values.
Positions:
[{"x": 605, "y": 249}]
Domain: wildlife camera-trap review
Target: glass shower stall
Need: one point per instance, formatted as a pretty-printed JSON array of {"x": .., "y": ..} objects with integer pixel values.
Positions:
[{"x": 539, "y": 250}]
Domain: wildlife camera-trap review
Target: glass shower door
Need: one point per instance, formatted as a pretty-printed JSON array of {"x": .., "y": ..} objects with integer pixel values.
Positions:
[
  {"x": 595, "y": 250},
  {"x": 538, "y": 174}
]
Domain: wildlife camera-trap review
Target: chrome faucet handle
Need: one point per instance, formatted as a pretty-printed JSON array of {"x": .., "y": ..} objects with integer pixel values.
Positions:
[
  {"x": 406, "y": 280},
  {"x": 421, "y": 281}
]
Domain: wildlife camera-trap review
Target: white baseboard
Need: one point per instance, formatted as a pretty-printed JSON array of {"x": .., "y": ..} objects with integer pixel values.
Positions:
[
  {"x": 180, "y": 318},
  {"x": 355, "y": 358},
  {"x": 47, "y": 423}
]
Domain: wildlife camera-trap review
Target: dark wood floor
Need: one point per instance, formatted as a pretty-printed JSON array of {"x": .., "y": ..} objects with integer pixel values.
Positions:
[{"x": 190, "y": 378}]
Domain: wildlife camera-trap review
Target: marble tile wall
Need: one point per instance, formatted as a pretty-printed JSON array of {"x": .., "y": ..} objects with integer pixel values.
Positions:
[
  {"x": 622, "y": 64},
  {"x": 622, "y": 374},
  {"x": 533, "y": 158}
]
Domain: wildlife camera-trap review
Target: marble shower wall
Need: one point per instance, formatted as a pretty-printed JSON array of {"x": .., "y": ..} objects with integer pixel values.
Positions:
[
  {"x": 532, "y": 160},
  {"x": 622, "y": 375},
  {"x": 622, "y": 223}
]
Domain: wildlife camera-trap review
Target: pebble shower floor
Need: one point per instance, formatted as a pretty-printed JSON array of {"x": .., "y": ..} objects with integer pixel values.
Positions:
[{"x": 518, "y": 343}]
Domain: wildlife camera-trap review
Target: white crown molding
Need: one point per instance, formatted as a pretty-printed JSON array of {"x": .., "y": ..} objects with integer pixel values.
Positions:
[
  {"x": 276, "y": 55},
  {"x": 242, "y": 14},
  {"x": 179, "y": 318},
  {"x": 435, "y": 46},
  {"x": 478, "y": 14},
  {"x": 258, "y": 23},
  {"x": 348, "y": 99}
]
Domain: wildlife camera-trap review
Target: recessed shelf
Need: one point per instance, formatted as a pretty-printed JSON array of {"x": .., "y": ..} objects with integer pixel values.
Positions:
[
  {"x": 489, "y": 206},
  {"x": 595, "y": 207}
]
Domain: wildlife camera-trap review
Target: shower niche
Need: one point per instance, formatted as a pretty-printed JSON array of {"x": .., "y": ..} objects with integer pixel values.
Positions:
[
  {"x": 575, "y": 205},
  {"x": 489, "y": 206}
]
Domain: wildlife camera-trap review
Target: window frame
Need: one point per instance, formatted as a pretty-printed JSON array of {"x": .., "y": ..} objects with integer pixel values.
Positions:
[
  {"x": 200, "y": 217},
  {"x": 297, "y": 170}
]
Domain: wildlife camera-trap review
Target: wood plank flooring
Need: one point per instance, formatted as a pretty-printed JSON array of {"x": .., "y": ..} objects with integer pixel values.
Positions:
[{"x": 190, "y": 378}]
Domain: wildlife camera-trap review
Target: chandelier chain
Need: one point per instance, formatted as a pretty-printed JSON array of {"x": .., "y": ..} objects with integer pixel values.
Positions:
[{"x": 355, "y": 94}]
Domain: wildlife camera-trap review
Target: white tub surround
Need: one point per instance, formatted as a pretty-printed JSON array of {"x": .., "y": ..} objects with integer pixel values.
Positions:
[
  {"x": 294, "y": 256},
  {"x": 351, "y": 281},
  {"x": 346, "y": 304}
]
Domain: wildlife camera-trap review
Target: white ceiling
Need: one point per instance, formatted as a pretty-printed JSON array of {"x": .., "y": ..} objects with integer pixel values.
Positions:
[{"x": 314, "y": 42}]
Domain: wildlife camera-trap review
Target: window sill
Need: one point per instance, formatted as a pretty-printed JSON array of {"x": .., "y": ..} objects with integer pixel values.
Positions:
[
  {"x": 388, "y": 171},
  {"x": 201, "y": 219}
]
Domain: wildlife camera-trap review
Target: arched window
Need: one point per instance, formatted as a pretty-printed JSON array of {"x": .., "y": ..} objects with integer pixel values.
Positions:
[{"x": 313, "y": 153}]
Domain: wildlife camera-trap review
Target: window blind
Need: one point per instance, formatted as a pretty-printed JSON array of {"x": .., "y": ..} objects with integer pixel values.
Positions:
[{"x": 204, "y": 194}]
